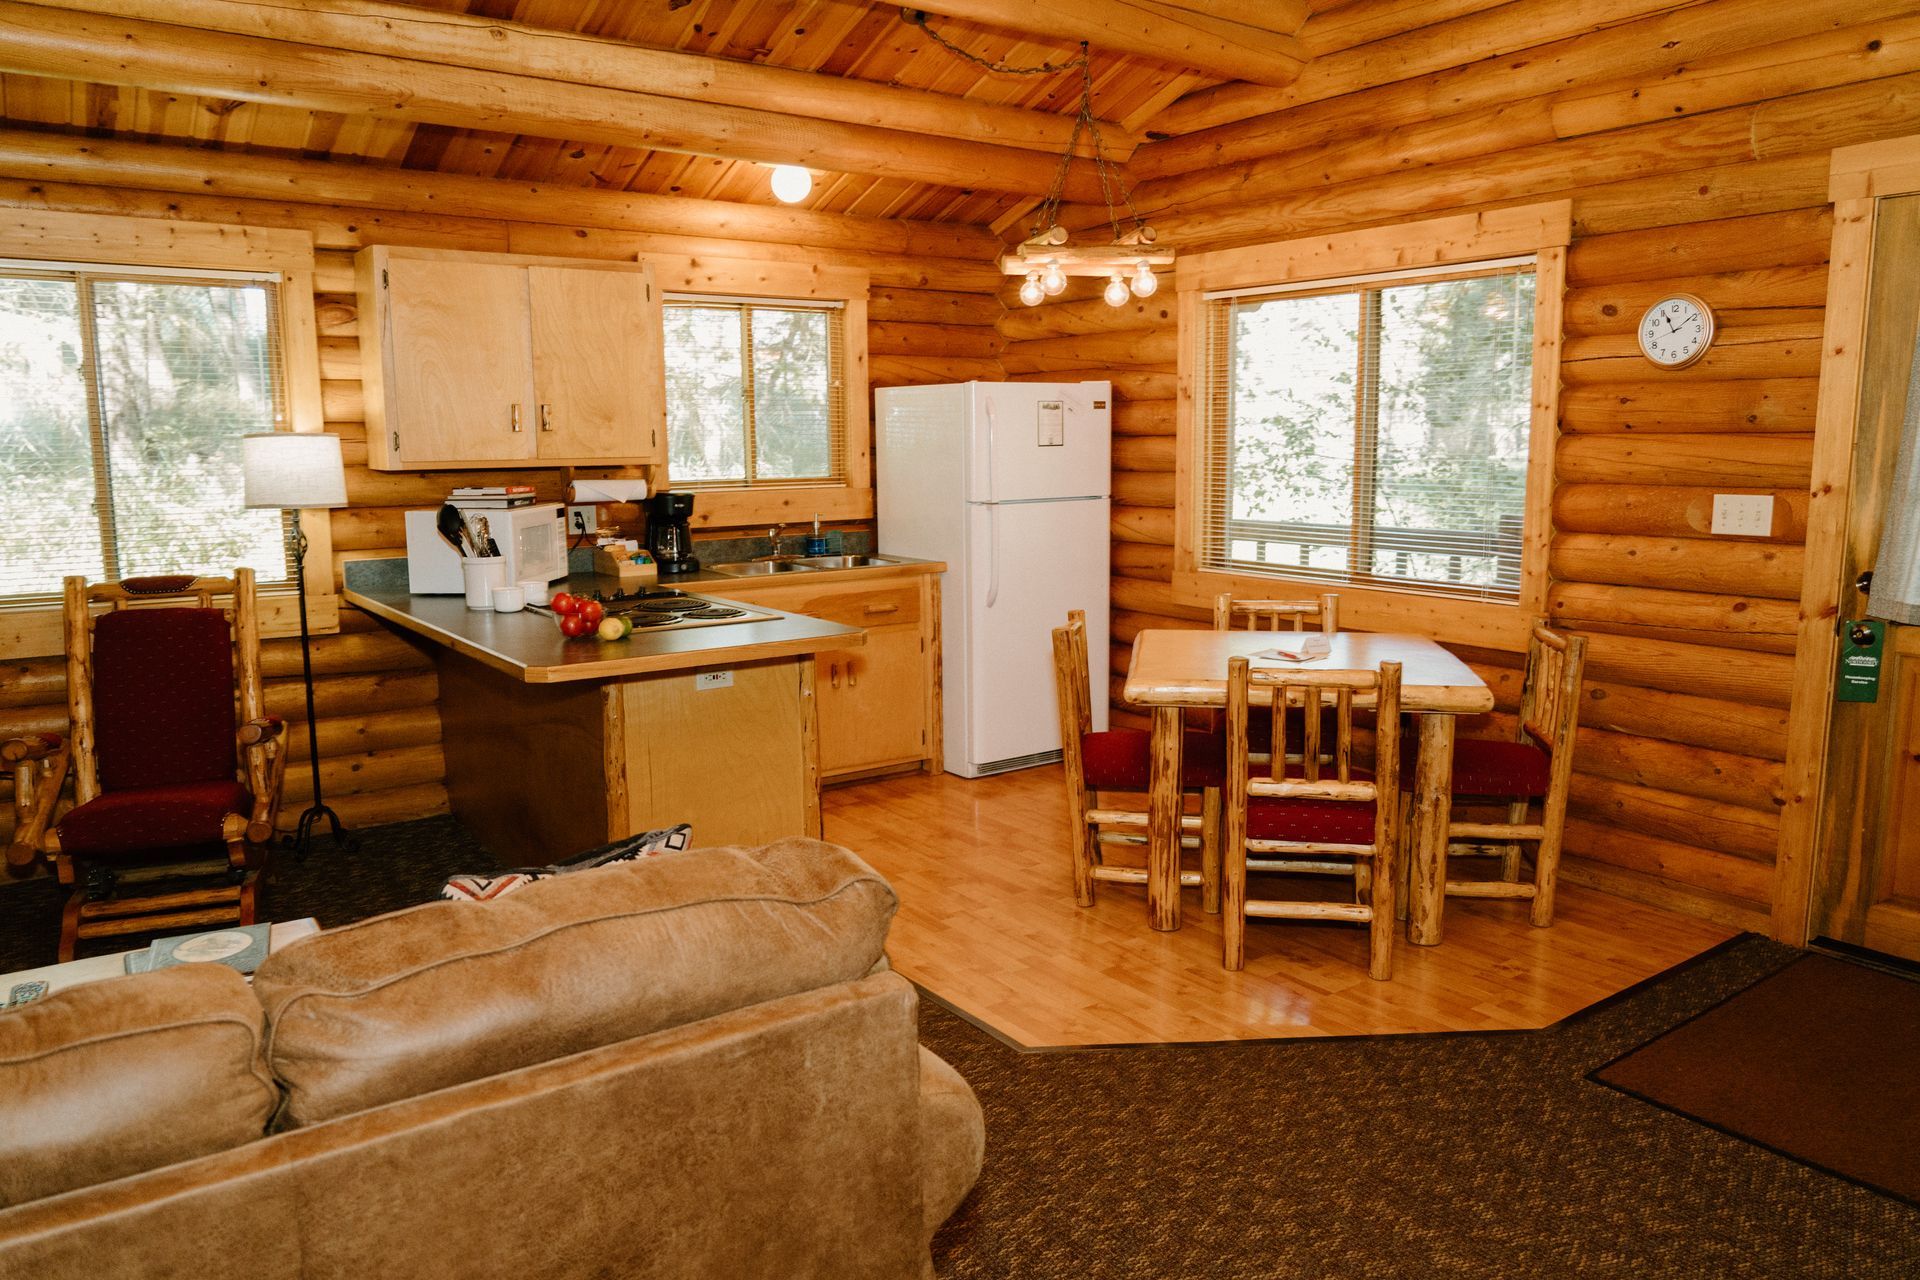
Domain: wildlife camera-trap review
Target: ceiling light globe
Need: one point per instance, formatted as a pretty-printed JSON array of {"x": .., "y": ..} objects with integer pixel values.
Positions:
[
  {"x": 791, "y": 183},
  {"x": 1144, "y": 281},
  {"x": 1032, "y": 292},
  {"x": 1116, "y": 291},
  {"x": 1053, "y": 280}
]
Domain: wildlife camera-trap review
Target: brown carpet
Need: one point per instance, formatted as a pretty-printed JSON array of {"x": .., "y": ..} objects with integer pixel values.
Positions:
[
  {"x": 1408, "y": 1156},
  {"x": 1820, "y": 1062}
]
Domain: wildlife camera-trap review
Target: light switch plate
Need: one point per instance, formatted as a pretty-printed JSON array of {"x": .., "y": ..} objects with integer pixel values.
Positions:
[
  {"x": 713, "y": 680},
  {"x": 1743, "y": 515}
]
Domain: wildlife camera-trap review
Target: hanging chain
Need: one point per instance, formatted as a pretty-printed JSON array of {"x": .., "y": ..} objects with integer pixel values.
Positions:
[{"x": 1084, "y": 120}]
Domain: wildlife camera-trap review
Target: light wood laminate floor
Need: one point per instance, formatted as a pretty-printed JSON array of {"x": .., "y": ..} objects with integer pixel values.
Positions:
[{"x": 987, "y": 922}]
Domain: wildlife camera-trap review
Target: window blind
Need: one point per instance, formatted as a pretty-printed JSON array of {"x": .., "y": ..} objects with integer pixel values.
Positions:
[
  {"x": 123, "y": 396},
  {"x": 756, "y": 392},
  {"x": 1371, "y": 430}
]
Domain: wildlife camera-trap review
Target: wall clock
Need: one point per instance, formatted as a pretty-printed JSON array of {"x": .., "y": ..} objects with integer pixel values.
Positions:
[{"x": 1676, "y": 331}]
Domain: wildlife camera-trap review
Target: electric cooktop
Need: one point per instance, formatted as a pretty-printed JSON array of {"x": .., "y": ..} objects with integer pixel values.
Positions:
[{"x": 666, "y": 609}]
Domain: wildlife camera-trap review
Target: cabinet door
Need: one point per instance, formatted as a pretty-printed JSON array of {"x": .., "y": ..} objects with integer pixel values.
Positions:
[
  {"x": 873, "y": 701},
  {"x": 597, "y": 365},
  {"x": 460, "y": 385}
]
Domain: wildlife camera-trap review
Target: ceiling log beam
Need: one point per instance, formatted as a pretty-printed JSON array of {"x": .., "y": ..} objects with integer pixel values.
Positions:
[
  {"x": 1280, "y": 17},
  {"x": 145, "y": 166},
  {"x": 463, "y": 40},
  {"x": 1149, "y": 28},
  {"x": 40, "y": 41}
]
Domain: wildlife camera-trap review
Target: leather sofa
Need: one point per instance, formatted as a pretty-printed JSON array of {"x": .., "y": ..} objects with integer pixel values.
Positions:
[{"x": 690, "y": 1065}]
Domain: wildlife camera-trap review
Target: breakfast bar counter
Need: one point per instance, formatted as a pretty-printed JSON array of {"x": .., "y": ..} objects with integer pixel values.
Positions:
[{"x": 556, "y": 745}]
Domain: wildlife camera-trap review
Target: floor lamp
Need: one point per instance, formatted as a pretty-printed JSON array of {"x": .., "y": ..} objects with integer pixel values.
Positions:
[{"x": 292, "y": 470}]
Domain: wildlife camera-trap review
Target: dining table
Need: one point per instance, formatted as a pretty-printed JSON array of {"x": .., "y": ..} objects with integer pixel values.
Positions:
[{"x": 1173, "y": 670}]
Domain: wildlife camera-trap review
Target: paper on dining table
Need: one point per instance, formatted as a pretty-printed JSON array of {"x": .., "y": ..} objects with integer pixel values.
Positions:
[{"x": 1303, "y": 647}]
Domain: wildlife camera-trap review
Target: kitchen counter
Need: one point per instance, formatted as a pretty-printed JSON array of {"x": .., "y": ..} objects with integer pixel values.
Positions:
[
  {"x": 710, "y": 580},
  {"x": 529, "y": 647}
]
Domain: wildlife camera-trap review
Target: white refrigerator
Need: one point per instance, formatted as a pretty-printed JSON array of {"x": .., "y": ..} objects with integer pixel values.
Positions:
[{"x": 1009, "y": 483}]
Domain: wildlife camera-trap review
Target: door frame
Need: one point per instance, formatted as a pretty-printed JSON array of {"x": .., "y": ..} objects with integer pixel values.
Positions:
[{"x": 1859, "y": 177}]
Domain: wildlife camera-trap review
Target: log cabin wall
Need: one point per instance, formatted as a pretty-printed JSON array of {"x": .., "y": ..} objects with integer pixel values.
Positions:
[
  {"x": 1710, "y": 180},
  {"x": 375, "y": 692}
]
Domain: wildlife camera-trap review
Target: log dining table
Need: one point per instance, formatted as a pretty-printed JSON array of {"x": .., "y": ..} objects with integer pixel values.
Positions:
[{"x": 1173, "y": 670}]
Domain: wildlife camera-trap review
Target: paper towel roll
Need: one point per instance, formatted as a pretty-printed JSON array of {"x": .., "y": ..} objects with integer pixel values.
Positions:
[{"x": 587, "y": 492}]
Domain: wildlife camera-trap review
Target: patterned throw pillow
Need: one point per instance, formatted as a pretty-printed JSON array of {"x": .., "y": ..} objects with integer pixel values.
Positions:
[{"x": 645, "y": 845}]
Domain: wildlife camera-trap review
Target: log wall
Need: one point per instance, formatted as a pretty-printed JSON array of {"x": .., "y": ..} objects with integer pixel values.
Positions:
[
  {"x": 376, "y": 691},
  {"x": 1693, "y": 141}
]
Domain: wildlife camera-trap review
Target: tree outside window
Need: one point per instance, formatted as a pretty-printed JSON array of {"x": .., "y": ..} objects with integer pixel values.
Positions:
[
  {"x": 755, "y": 394},
  {"x": 122, "y": 402}
]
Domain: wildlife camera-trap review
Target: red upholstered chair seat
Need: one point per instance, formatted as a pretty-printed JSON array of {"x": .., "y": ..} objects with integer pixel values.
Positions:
[
  {"x": 164, "y": 817},
  {"x": 1489, "y": 768},
  {"x": 1121, "y": 760},
  {"x": 1312, "y": 820}
]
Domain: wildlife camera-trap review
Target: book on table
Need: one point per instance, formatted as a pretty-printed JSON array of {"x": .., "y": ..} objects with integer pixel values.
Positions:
[{"x": 240, "y": 947}]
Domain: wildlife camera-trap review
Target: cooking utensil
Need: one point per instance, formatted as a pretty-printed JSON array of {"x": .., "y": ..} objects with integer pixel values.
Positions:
[
  {"x": 454, "y": 529},
  {"x": 483, "y": 538}
]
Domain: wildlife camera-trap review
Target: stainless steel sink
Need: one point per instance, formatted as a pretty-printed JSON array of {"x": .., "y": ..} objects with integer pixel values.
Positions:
[
  {"x": 760, "y": 568},
  {"x": 844, "y": 562}
]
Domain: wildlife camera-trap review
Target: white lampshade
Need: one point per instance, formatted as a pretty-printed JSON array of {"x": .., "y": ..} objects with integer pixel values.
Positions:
[{"x": 291, "y": 469}]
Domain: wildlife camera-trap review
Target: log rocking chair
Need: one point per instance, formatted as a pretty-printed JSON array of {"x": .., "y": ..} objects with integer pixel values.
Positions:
[{"x": 167, "y": 790}]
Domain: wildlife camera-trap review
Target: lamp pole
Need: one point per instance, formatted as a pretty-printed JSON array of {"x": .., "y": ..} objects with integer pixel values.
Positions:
[{"x": 302, "y": 835}]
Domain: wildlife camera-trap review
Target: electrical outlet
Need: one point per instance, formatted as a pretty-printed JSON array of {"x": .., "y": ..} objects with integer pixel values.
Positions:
[
  {"x": 583, "y": 520},
  {"x": 713, "y": 680},
  {"x": 1743, "y": 515}
]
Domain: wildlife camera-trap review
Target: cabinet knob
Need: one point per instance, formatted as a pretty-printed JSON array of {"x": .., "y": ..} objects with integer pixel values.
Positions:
[
  {"x": 833, "y": 674},
  {"x": 883, "y": 608},
  {"x": 546, "y": 417},
  {"x": 851, "y": 682},
  {"x": 516, "y": 416}
]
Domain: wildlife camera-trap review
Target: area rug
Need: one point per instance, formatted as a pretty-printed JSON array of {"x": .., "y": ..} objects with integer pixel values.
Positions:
[{"x": 1820, "y": 1062}]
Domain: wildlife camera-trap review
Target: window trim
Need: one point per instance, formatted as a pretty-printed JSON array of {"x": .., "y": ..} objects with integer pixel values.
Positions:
[
  {"x": 114, "y": 240},
  {"x": 1543, "y": 230},
  {"x": 744, "y": 280}
]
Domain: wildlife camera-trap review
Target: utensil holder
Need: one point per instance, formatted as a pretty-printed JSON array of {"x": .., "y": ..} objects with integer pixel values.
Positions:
[{"x": 483, "y": 574}]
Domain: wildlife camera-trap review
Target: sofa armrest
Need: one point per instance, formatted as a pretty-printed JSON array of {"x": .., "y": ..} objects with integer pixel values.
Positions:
[{"x": 953, "y": 1139}]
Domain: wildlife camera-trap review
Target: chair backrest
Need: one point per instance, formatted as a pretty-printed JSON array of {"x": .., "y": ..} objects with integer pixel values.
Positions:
[
  {"x": 1315, "y": 692},
  {"x": 1071, "y": 689},
  {"x": 1268, "y": 615},
  {"x": 1550, "y": 703},
  {"x": 150, "y": 681}
]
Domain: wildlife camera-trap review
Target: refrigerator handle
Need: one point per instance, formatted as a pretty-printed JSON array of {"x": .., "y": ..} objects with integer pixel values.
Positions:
[
  {"x": 989, "y": 498},
  {"x": 993, "y": 555}
]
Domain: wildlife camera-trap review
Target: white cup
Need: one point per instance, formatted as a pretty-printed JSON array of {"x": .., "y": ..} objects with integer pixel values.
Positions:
[
  {"x": 534, "y": 591},
  {"x": 509, "y": 600},
  {"x": 483, "y": 574}
]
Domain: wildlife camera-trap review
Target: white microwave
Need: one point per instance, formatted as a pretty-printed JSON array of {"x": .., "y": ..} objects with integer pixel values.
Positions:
[{"x": 532, "y": 540}]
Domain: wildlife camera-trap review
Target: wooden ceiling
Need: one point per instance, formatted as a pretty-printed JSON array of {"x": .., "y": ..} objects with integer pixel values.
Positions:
[{"x": 869, "y": 42}]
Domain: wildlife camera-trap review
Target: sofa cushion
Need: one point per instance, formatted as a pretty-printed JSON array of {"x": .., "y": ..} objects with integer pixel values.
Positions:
[
  {"x": 109, "y": 1078},
  {"x": 401, "y": 1004}
]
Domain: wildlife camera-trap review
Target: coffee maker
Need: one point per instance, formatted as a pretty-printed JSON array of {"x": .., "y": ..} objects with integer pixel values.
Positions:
[{"x": 668, "y": 538}]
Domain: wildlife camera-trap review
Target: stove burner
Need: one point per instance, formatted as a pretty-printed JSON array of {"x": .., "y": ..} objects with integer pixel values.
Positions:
[
  {"x": 664, "y": 604},
  {"x": 654, "y": 620},
  {"x": 715, "y": 611}
]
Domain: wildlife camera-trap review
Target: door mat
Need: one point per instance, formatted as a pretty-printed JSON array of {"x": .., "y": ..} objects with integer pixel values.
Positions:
[{"x": 1817, "y": 1063}]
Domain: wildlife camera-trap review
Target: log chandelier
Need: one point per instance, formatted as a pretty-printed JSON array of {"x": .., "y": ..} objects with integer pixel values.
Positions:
[{"x": 1045, "y": 257}]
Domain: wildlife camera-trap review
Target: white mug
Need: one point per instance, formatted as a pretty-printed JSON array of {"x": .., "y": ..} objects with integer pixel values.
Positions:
[{"x": 483, "y": 574}]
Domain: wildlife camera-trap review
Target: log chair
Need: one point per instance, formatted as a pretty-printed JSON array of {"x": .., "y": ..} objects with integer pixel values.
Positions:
[
  {"x": 151, "y": 750},
  {"x": 1120, "y": 760}
]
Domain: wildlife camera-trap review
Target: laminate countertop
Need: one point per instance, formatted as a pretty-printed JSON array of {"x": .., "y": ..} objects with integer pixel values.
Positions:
[{"x": 529, "y": 647}]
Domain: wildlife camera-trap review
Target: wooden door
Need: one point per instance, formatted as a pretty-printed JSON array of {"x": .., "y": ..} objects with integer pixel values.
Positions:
[
  {"x": 459, "y": 385},
  {"x": 597, "y": 365},
  {"x": 1867, "y": 856},
  {"x": 873, "y": 701}
]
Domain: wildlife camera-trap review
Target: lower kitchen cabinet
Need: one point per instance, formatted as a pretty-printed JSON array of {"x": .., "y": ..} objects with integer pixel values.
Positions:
[{"x": 879, "y": 702}]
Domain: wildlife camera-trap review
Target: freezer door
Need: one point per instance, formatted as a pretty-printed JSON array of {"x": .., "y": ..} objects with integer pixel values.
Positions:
[
  {"x": 1037, "y": 440},
  {"x": 1028, "y": 564}
]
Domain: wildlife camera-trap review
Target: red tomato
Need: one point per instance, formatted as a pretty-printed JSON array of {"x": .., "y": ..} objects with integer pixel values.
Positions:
[
  {"x": 563, "y": 604},
  {"x": 591, "y": 610},
  {"x": 573, "y": 626}
]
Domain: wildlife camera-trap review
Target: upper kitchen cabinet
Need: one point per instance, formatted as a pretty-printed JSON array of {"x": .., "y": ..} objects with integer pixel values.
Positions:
[{"x": 498, "y": 360}]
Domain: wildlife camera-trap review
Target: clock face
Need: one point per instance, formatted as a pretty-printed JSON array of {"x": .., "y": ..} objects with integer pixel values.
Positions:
[{"x": 1676, "y": 331}]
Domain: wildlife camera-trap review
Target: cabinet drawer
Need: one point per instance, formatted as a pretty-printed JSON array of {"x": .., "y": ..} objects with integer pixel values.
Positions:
[{"x": 856, "y": 604}]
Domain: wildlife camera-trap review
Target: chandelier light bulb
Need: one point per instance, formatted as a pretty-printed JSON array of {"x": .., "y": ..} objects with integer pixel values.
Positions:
[
  {"x": 1116, "y": 291},
  {"x": 791, "y": 183},
  {"x": 1144, "y": 281},
  {"x": 1053, "y": 280},
  {"x": 1033, "y": 293}
]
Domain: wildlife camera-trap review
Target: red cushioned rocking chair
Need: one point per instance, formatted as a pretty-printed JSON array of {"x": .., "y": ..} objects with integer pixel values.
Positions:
[{"x": 152, "y": 752}]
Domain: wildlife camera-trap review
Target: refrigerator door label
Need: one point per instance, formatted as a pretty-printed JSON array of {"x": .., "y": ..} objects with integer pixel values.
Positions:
[{"x": 1052, "y": 419}]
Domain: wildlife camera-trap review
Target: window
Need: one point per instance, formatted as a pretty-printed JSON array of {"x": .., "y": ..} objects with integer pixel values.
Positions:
[
  {"x": 756, "y": 393},
  {"x": 1372, "y": 430},
  {"x": 123, "y": 394}
]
